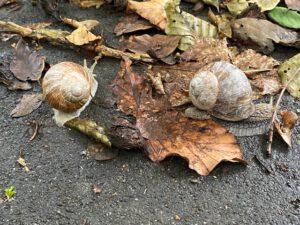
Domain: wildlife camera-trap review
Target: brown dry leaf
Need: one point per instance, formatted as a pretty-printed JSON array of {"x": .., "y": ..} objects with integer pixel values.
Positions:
[
  {"x": 131, "y": 23},
  {"x": 207, "y": 50},
  {"x": 14, "y": 84},
  {"x": 293, "y": 4},
  {"x": 153, "y": 10},
  {"x": 204, "y": 144},
  {"x": 23, "y": 163},
  {"x": 100, "y": 152},
  {"x": 223, "y": 21},
  {"x": 82, "y": 36},
  {"x": 250, "y": 62},
  {"x": 261, "y": 70},
  {"x": 158, "y": 46},
  {"x": 88, "y": 3},
  {"x": 260, "y": 34},
  {"x": 265, "y": 84},
  {"x": 289, "y": 119},
  {"x": 28, "y": 104},
  {"x": 26, "y": 64}
]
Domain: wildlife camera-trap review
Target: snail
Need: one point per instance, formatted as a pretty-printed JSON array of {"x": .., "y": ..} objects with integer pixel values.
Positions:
[
  {"x": 68, "y": 88},
  {"x": 225, "y": 93}
]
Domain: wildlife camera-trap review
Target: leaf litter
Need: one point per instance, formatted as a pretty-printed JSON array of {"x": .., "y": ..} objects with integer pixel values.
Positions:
[{"x": 157, "y": 95}]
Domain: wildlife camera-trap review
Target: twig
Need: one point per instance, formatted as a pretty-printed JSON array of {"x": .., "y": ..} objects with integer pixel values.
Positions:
[
  {"x": 35, "y": 131},
  {"x": 271, "y": 129},
  {"x": 60, "y": 37}
]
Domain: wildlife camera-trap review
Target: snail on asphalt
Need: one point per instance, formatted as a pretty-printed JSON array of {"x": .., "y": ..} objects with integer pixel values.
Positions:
[
  {"x": 68, "y": 88},
  {"x": 225, "y": 93}
]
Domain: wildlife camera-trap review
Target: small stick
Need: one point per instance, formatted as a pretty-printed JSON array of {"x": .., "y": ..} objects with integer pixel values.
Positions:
[
  {"x": 271, "y": 129},
  {"x": 35, "y": 131}
]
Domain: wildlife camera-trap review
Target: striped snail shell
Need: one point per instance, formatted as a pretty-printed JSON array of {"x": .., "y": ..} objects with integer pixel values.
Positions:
[{"x": 67, "y": 86}]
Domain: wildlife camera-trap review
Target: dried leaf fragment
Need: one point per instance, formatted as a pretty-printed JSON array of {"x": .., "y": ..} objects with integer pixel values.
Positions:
[
  {"x": 153, "y": 10},
  {"x": 82, "y": 36},
  {"x": 14, "y": 84},
  {"x": 131, "y": 23},
  {"x": 158, "y": 46},
  {"x": 97, "y": 189},
  {"x": 28, "y": 104},
  {"x": 289, "y": 119},
  {"x": 23, "y": 163},
  {"x": 101, "y": 152},
  {"x": 26, "y": 64}
]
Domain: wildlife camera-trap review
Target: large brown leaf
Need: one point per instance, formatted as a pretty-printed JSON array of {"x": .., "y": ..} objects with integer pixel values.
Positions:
[
  {"x": 261, "y": 34},
  {"x": 165, "y": 132},
  {"x": 27, "y": 105},
  {"x": 131, "y": 23},
  {"x": 293, "y": 4},
  {"x": 26, "y": 65}
]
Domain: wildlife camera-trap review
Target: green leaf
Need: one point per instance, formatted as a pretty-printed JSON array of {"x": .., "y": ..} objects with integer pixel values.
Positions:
[
  {"x": 10, "y": 192},
  {"x": 287, "y": 70},
  {"x": 186, "y": 25},
  {"x": 265, "y": 5},
  {"x": 285, "y": 17}
]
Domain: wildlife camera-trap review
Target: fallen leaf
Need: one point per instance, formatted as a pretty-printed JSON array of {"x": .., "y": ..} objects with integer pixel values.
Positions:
[
  {"x": 286, "y": 72},
  {"x": 204, "y": 144},
  {"x": 285, "y": 17},
  {"x": 159, "y": 46},
  {"x": 22, "y": 162},
  {"x": 250, "y": 62},
  {"x": 97, "y": 189},
  {"x": 153, "y": 10},
  {"x": 88, "y": 3},
  {"x": 261, "y": 70},
  {"x": 100, "y": 152},
  {"x": 10, "y": 192},
  {"x": 207, "y": 50},
  {"x": 223, "y": 21},
  {"x": 265, "y": 5},
  {"x": 82, "y": 36},
  {"x": 261, "y": 33},
  {"x": 289, "y": 119},
  {"x": 28, "y": 104},
  {"x": 131, "y": 23},
  {"x": 236, "y": 7},
  {"x": 26, "y": 64},
  {"x": 189, "y": 27},
  {"x": 14, "y": 84},
  {"x": 293, "y": 4}
]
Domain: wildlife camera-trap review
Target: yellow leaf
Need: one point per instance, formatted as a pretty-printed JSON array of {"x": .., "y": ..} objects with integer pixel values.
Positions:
[{"x": 81, "y": 36}]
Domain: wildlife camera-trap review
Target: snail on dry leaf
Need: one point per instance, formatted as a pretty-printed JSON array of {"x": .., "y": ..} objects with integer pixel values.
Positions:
[
  {"x": 225, "y": 92},
  {"x": 68, "y": 88}
]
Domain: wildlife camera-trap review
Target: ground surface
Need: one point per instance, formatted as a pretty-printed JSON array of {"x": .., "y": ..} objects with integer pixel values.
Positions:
[{"x": 58, "y": 188}]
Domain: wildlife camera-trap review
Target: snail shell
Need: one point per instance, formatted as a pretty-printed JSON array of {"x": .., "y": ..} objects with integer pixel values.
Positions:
[
  {"x": 224, "y": 91},
  {"x": 67, "y": 86}
]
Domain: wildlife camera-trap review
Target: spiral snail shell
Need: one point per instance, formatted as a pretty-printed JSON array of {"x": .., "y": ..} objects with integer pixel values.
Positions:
[
  {"x": 224, "y": 92},
  {"x": 68, "y": 88}
]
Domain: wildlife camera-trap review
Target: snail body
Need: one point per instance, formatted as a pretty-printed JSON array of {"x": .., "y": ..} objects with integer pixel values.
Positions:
[
  {"x": 224, "y": 92},
  {"x": 68, "y": 88}
]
